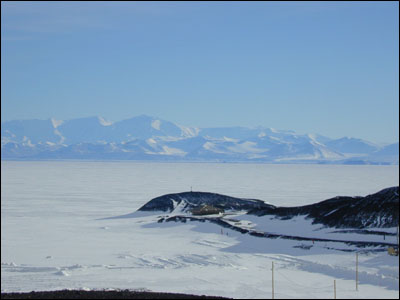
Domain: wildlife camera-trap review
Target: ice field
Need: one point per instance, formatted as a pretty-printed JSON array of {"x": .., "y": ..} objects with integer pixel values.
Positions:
[{"x": 53, "y": 237}]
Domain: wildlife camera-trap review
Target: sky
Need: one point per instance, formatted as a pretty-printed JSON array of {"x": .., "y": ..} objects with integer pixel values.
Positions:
[{"x": 313, "y": 67}]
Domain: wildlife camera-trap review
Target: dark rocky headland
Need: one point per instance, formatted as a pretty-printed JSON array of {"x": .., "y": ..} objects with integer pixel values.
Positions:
[{"x": 380, "y": 210}]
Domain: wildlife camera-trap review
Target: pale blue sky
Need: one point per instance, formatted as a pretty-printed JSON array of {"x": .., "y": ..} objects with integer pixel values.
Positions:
[{"x": 313, "y": 67}]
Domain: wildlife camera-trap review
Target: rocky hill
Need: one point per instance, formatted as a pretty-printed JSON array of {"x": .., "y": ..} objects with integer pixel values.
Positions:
[
  {"x": 380, "y": 210},
  {"x": 376, "y": 210},
  {"x": 187, "y": 201}
]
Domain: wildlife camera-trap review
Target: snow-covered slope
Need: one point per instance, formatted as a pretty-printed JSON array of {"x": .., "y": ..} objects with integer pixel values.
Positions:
[
  {"x": 388, "y": 153},
  {"x": 35, "y": 130},
  {"x": 352, "y": 145},
  {"x": 377, "y": 210}
]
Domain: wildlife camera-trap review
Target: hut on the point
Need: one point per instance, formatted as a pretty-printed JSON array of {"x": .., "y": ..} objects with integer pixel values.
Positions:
[{"x": 206, "y": 210}]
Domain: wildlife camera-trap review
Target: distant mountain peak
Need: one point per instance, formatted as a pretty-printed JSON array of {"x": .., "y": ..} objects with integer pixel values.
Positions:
[
  {"x": 156, "y": 124},
  {"x": 104, "y": 122},
  {"x": 56, "y": 123},
  {"x": 104, "y": 139}
]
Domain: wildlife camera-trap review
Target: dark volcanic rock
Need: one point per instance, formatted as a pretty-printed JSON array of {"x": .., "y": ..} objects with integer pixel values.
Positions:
[
  {"x": 377, "y": 210},
  {"x": 122, "y": 294},
  {"x": 194, "y": 200}
]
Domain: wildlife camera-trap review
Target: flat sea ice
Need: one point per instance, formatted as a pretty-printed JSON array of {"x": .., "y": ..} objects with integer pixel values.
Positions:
[{"x": 54, "y": 237}]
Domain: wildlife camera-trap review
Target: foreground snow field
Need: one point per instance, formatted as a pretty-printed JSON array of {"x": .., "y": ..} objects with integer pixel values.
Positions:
[{"x": 53, "y": 236}]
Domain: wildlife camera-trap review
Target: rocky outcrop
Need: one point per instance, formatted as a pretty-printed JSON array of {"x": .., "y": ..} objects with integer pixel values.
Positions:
[
  {"x": 376, "y": 210},
  {"x": 379, "y": 210},
  {"x": 188, "y": 201}
]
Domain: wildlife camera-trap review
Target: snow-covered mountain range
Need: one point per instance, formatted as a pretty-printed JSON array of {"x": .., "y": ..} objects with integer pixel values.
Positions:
[{"x": 149, "y": 138}]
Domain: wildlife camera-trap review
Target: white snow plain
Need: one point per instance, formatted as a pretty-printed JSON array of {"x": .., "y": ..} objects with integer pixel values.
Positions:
[{"x": 52, "y": 235}]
